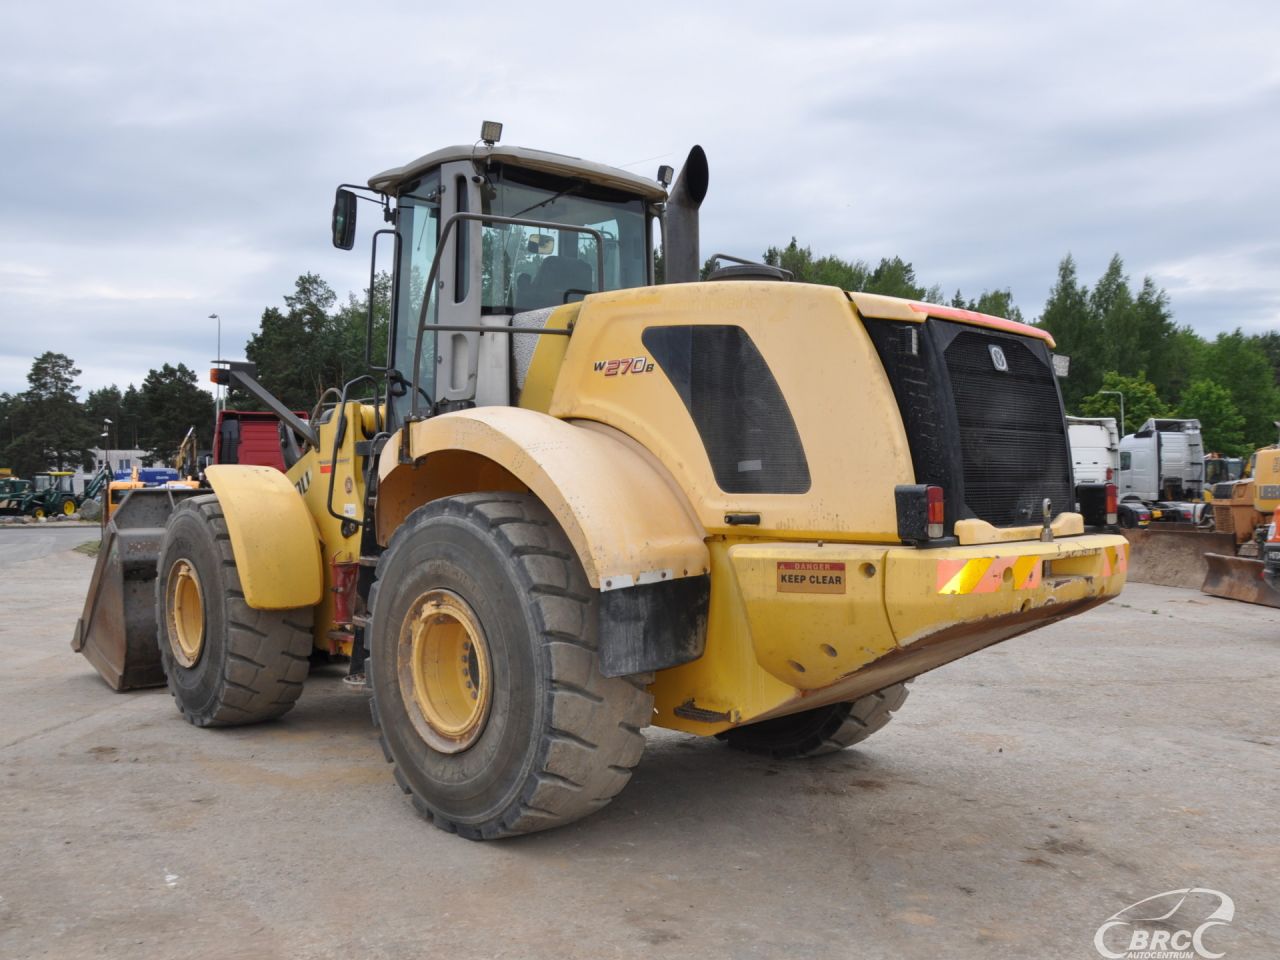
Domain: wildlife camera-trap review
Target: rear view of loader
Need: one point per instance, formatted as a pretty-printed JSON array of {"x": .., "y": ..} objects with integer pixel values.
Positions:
[{"x": 574, "y": 502}]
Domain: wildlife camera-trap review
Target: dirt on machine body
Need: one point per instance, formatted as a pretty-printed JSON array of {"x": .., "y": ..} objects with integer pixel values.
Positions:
[{"x": 574, "y": 502}]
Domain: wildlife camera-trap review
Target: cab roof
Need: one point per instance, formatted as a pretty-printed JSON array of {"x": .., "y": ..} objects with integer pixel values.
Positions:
[
  {"x": 896, "y": 308},
  {"x": 388, "y": 181}
]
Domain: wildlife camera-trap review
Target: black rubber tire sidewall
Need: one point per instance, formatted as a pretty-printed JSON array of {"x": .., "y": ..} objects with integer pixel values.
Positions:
[
  {"x": 190, "y": 537},
  {"x": 793, "y": 734},
  {"x": 475, "y": 786}
]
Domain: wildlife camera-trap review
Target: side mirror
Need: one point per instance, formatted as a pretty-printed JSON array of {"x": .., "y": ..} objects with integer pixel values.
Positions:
[{"x": 344, "y": 219}]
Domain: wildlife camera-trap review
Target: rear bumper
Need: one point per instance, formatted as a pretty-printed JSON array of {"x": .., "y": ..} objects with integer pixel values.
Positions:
[
  {"x": 897, "y": 612},
  {"x": 930, "y": 590},
  {"x": 795, "y": 626}
]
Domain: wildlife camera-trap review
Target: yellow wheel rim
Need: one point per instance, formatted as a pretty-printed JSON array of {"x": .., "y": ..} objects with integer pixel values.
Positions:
[
  {"x": 185, "y": 606},
  {"x": 38, "y": 513},
  {"x": 68, "y": 507},
  {"x": 444, "y": 670}
]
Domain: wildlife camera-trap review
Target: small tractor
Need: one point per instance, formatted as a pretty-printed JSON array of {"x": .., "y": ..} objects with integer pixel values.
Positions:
[
  {"x": 14, "y": 492},
  {"x": 573, "y": 502},
  {"x": 51, "y": 494}
]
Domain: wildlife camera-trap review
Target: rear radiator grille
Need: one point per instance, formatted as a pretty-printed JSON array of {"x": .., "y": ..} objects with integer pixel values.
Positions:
[{"x": 1012, "y": 437}]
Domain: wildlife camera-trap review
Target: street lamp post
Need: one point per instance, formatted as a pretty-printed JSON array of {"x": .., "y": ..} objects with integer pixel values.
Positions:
[
  {"x": 106, "y": 446},
  {"x": 1121, "y": 396},
  {"x": 217, "y": 397}
]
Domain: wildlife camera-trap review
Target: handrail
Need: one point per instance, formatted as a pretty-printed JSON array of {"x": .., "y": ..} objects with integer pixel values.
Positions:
[
  {"x": 373, "y": 266},
  {"x": 423, "y": 326}
]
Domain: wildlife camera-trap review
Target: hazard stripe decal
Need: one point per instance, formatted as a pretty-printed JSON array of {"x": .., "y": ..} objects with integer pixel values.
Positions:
[{"x": 989, "y": 574}]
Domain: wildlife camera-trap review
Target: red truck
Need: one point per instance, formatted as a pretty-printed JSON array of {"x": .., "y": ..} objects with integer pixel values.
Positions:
[{"x": 249, "y": 436}]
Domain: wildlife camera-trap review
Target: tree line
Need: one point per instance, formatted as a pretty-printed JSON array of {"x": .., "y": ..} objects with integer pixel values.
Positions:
[
  {"x": 1120, "y": 337},
  {"x": 48, "y": 427},
  {"x": 310, "y": 343},
  {"x": 1124, "y": 340}
]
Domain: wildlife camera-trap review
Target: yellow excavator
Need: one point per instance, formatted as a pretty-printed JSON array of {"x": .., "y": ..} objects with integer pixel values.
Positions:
[{"x": 573, "y": 502}]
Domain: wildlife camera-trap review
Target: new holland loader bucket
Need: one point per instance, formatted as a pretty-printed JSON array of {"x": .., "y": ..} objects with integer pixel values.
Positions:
[
  {"x": 1174, "y": 555},
  {"x": 1239, "y": 578},
  {"x": 117, "y": 630}
]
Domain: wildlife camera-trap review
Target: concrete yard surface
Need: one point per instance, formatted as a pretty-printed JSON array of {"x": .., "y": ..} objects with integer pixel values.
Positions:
[{"x": 1020, "y": 799}]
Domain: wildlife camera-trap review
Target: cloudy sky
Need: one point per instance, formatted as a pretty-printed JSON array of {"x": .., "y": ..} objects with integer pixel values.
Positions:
[{"x": 164, "y": 161}]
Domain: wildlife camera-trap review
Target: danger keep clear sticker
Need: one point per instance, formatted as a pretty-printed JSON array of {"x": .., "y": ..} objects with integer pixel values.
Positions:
[{"x": 797, "y": 577}]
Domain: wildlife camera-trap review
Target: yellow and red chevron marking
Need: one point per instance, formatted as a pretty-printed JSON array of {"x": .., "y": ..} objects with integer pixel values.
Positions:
[
  {"x": 1115, "y": 560},
  {"x": 987, "y": 574}
]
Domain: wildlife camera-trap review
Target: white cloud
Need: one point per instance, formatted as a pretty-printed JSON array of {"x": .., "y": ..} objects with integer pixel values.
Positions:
[{"x": 164, "y": 161}]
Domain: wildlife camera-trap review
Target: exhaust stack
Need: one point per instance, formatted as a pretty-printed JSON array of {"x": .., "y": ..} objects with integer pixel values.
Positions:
[{"x": 680, "y": 229}]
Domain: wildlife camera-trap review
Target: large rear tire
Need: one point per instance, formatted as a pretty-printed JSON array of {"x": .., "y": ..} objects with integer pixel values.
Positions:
[
  {"x": 226, "y": 664},
  {"x": 487, "y": 690},
  {"x": 822, "y": 730}
]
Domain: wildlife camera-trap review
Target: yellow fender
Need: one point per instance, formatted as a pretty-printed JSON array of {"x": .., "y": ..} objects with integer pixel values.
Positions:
[
  {"x": 626, "y": 519},
  {"x": 273, "y": 536}
]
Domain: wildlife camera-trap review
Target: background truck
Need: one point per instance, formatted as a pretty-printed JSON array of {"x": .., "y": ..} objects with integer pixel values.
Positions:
[
  {"x": 250, "y": 437},
  {"x": 574, "y": 503},
  {"x": 1095, "y": 449},
  {"x": 1163, "y": 462},
  {"x": 1095, "y": 459}
]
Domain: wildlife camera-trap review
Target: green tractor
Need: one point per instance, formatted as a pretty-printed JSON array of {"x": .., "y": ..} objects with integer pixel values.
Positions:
[
  {"x": 51, "y": 494},
  {"x": 14, "y": 493}
]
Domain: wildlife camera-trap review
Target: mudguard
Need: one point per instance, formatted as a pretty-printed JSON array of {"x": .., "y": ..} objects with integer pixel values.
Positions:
[
  {"x": 273, "y": 536},
  {"x": 628, "y": 522}
]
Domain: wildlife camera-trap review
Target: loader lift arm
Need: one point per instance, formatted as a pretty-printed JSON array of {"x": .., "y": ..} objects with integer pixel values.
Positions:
[{"x": 244, "y": 374}]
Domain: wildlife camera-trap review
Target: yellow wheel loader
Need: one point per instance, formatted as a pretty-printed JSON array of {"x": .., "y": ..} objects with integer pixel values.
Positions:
[{"x": 575, "y": 502}]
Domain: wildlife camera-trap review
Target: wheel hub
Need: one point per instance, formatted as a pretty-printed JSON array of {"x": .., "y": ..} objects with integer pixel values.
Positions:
[
  {"x": 185, "y": 605},
  {"x": 444, "y": 671}
]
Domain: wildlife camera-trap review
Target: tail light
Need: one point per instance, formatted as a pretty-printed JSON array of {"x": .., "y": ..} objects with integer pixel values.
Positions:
[
  {"x": 922, "y": 512},
  {"x": 936, "y": 511},
  {"x": 1113, "y": 508}
]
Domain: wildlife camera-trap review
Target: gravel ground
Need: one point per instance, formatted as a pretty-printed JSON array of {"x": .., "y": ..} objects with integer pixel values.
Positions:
[{"x": 1019, "y": 799}]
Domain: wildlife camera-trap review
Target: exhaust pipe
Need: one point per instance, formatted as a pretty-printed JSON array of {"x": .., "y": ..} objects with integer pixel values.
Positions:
[{"x": 680, "y": 227}]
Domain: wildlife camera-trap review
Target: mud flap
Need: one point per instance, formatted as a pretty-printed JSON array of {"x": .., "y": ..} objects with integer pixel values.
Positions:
[
  {"x": 1173, "y": 557},
  {"x": 117, "y": 629},
  {"x": 1239, "y": 578}
]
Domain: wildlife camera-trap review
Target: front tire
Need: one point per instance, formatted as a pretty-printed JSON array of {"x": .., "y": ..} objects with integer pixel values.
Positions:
[
  {"x": 226, "y": 663},
  {"x": 487, "y": 690},
  {"x": 819, "y": 731}
]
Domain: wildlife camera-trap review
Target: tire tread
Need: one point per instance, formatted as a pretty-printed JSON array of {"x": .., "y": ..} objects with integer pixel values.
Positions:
[
  {"x": 268, "y": 652},
  {"x": 592, "y": 738}
]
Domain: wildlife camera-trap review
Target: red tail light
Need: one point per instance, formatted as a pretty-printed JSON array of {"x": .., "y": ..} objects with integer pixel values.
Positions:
[
  {"x": 937, "y": 511},
  {"x": 1112, "y": 504}
]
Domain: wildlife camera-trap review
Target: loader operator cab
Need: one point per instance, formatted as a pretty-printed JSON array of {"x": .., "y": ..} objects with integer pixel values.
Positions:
[{"x": 502, "y": 235}]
